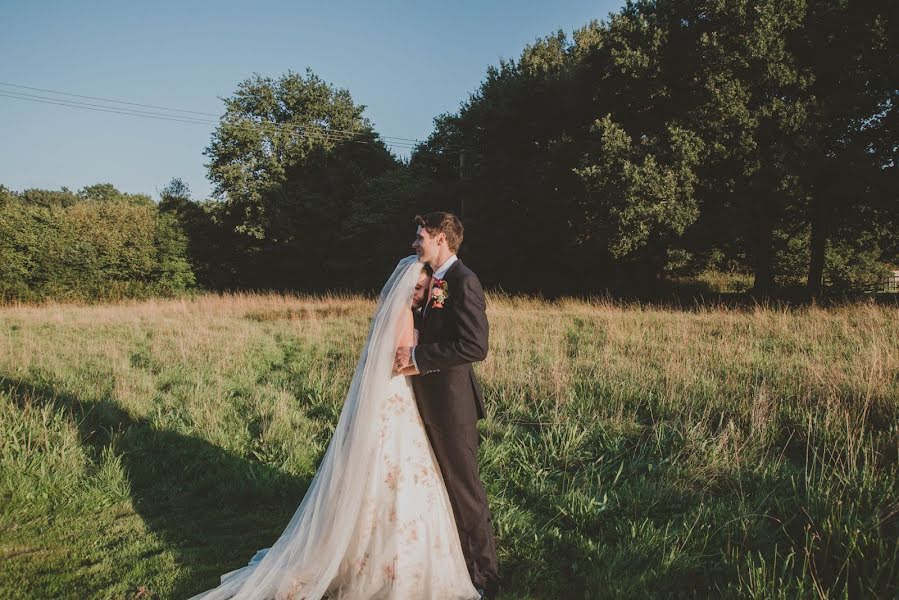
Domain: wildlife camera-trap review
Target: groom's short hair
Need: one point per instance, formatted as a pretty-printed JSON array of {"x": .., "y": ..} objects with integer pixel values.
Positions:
[{"x": 443, "y": 222}]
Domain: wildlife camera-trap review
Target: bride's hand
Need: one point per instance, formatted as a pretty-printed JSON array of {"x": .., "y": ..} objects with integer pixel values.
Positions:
[{"x": 403, "y": 359}]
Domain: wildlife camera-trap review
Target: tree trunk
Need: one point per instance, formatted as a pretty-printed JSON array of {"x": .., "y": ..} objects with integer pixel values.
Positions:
[
  {"x": 764, "y": 236},
  {"x": 817, "y": 245},
  {"x": 658, "y": 257}
]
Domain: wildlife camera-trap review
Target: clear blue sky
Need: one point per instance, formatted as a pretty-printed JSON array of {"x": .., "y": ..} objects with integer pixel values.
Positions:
[{"x": 405, "y": 61}]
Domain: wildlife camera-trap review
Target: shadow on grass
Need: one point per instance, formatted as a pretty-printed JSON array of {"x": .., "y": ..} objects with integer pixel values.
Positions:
[{"x": 212, "y": 508}]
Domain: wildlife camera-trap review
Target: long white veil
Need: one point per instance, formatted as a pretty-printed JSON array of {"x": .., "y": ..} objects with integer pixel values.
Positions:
[{"x": 304, "y": 560}]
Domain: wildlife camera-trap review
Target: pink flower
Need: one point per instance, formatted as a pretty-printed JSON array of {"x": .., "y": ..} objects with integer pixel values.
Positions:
[{"x": 439, "y": 293}]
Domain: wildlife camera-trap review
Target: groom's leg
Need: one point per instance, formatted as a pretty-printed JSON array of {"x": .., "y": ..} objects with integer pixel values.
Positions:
[{"x": 456, "y": 450}]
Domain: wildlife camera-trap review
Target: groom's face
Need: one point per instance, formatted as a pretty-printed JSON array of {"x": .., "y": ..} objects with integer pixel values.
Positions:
[{"x": 426, "y": 246}]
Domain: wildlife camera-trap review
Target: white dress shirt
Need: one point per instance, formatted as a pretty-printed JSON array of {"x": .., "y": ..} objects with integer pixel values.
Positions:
[{"x": 438, "y": 274}]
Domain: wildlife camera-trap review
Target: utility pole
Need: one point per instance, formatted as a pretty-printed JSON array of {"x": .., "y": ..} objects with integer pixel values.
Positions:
[{"x": 462, "y": 178}]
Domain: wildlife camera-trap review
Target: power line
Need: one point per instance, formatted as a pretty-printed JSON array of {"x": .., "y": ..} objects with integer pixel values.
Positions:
[
  {"x": 311, "y": 132},
  {"x": 304, "y": 130},
  {"x": 100, "y": 108},
  {"x": 330, "y": 129},
  {"x": 26, "y": 87}
]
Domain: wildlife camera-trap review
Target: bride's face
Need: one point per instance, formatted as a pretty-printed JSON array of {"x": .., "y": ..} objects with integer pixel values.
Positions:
[{"x": 421, "y": 289}]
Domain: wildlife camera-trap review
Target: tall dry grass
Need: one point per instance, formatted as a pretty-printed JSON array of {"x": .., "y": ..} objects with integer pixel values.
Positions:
[{"x": 630, "y": 450}]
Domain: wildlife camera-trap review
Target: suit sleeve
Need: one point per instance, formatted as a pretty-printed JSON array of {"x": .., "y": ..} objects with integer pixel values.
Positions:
[{"x": 472, "y": 331}]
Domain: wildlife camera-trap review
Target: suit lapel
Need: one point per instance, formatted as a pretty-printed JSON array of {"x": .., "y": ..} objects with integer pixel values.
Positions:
[{"x": 426, "y": 313}]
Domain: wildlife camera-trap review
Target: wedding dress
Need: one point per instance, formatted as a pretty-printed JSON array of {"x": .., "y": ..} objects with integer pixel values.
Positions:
[{"x": 376, "y": 521}]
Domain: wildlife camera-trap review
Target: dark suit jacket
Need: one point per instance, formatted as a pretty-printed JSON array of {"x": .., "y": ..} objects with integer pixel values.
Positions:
[{"x": 450, "y": 339}]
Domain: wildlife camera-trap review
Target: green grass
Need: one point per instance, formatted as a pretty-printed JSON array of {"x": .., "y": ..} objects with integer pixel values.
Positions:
[{"x": 630, "y": 452}]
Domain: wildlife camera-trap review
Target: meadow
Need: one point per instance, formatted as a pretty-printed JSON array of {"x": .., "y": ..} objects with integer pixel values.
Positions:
[{"x": 631, "y": 450}]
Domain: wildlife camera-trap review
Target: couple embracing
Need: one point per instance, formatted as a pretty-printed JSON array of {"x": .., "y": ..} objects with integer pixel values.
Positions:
[{"x": 396, "y": 509}]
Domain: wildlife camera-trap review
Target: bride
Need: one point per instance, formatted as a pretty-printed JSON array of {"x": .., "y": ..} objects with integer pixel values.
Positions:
[{"x": 376, "y": 521}]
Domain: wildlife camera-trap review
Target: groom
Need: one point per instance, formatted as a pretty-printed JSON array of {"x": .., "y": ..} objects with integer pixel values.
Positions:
[{"x": 453, "y": 333}]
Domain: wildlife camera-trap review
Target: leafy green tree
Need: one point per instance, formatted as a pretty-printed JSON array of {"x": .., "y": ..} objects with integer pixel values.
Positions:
[
  {"x": 675, "y": 131},
  {"x": 749, "y": 103},
  {"x": 102, "y": 245},
  {"x": 172, "y": 272},
  {"x": 100, "y": 192},
  {"x": 210, "y": 245},
  {"x": 288, "y": 159},
  {"x": 382, "y": 210},
  {"x": 61, "y": 197},
  {"x": 851, "y": 141},
  {"x": 505, "y": 163},
  {"x": 642, "y": 196}
]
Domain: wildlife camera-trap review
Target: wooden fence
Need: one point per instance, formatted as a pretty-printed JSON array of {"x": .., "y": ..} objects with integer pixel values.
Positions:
[{"x": 891, "y": 284}]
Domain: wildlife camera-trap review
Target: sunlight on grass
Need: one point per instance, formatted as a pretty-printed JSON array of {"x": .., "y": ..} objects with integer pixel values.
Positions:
[{"x": 630, "y": 450}]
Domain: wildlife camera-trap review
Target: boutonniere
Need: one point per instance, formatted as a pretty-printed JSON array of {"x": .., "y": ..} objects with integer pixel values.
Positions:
[{"x": 439, "y": 293}]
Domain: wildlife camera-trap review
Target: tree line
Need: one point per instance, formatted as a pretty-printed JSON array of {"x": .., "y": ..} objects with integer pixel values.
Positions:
[
  {"x": 94, "y": 244},
  {"x": 755, "y": 138}
]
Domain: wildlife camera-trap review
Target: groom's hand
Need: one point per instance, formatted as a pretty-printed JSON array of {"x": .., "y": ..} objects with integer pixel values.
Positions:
[{"x": 403, "y": 359}]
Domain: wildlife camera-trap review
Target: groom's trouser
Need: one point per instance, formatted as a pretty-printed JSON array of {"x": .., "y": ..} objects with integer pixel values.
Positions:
[{"x": 456, "y": 449}]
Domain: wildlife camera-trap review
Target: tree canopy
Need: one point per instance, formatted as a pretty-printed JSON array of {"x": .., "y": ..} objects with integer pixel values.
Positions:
[{"x": 672, "y": 140}]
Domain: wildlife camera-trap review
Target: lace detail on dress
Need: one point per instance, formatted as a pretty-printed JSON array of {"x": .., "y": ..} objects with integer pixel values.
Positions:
[{"x": 405, "y": 544}]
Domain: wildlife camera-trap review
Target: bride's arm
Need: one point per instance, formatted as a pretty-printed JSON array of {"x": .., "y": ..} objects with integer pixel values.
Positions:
[
  {"x": 407, "y": 335},
  {"x": 408, "y": 338},
  {"x": 412, "y": 370}
]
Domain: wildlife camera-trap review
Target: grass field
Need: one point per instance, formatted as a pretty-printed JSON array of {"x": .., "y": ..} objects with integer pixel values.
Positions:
[{"x": 630, "y": 452}]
